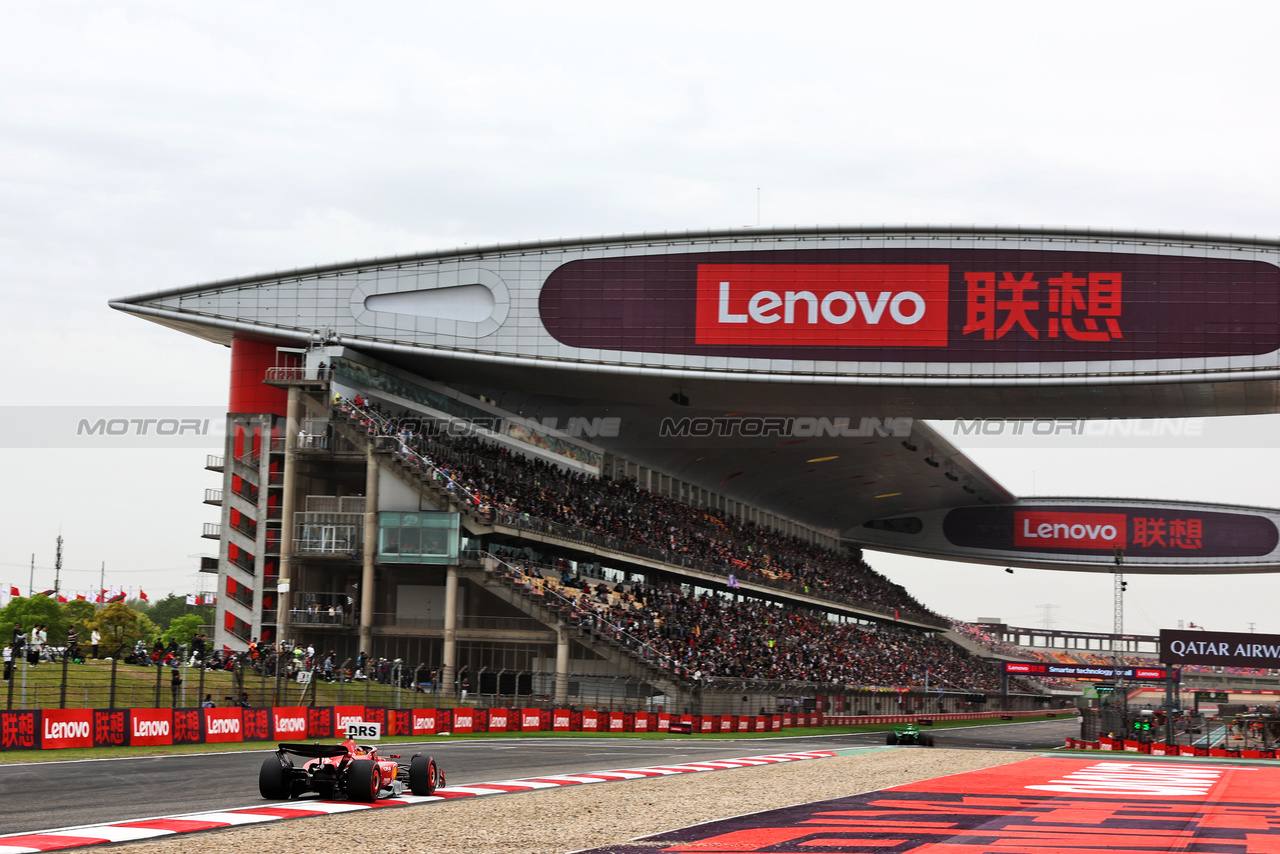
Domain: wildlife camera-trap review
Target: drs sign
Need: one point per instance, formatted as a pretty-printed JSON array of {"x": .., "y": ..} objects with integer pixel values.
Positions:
[{"x": 364, "y": 730}]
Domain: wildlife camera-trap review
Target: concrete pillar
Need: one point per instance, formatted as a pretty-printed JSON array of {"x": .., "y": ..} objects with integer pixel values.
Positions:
[
  {"x": 287, "y": 500},
  {"x": 450, "y": 670},
  {"x": 369, "y": 551},
  {"x": 561, "y": 697}
]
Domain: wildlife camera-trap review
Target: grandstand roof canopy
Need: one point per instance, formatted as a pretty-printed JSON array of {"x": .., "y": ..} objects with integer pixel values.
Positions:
[{"x": 790, "y": 368}]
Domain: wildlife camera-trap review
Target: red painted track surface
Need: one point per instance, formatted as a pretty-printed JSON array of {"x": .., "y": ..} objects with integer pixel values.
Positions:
[
  {"x": 128, "y": 831},
  {"x": 1039, "y": 806}
]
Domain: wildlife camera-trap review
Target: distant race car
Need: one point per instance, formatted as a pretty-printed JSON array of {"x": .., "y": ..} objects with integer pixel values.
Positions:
[
  {"x": 349, "y": 771},
  {"x": 909, "y": 734}
]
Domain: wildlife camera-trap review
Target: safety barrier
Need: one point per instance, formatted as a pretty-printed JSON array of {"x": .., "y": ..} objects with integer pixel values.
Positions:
[
  {"x": 1161, "y": 749},
  {"x": 49, "y": 729},
  {"x": 854, "y": 720}
]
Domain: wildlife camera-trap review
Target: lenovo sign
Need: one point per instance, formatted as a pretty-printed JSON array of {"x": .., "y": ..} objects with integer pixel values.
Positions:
[
  {"x": 66, "y": 728},
  {"x": 222, "y": 725},
  {"x": 1050, "y": 529},
  {"x": 291, "y": 723},
  {"x": 150, "y": 726},
  {"x": 850, "y": 305}
]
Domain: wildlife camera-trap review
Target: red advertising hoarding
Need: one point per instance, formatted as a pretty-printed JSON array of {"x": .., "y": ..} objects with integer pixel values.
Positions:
[
  {"x": 150, "y": 726},
  {"x": 66, "y": 728},
  {"x": 290, "y": 724},
  {"x": 222, "y": 725}
]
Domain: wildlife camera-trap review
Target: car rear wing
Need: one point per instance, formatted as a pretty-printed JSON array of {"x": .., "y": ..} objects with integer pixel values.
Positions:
[{"x": 315, "y": 751}]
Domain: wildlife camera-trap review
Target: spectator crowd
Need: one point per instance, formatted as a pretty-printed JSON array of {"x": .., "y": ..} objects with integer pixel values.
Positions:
[{"x": 496, "y": 482}]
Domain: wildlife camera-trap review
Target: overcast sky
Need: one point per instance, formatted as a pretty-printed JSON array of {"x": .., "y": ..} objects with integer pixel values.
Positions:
[{"x": 148, "y": 145}]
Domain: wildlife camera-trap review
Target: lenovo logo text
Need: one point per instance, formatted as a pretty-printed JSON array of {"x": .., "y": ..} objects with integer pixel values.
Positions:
[
  {"x": 1050, "y": 529},
  {"x": 66, "y": 729},
  {"x": 847, "y": 305}
]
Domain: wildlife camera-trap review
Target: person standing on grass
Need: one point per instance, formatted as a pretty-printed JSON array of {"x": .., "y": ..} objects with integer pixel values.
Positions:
[{"x": 95, "y": 638}]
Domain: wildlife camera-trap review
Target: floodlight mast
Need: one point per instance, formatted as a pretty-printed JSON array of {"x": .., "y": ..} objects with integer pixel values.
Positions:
[{"x": 1118, "y": 626}]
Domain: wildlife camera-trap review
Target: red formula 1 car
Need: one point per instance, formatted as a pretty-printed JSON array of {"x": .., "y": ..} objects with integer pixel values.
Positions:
[{"x": 348, "y": 770}]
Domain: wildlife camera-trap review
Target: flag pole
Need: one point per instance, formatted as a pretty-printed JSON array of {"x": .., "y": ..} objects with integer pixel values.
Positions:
[{"x": 102, "y": 582}]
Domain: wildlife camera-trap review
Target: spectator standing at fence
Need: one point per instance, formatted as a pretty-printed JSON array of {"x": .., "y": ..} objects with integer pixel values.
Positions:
[
  {"x": 8, "y": 662},
  {"x": 95, "y": 638},
  {"x": 208, "y": 702},
  {"x": 175, "y": 685}
]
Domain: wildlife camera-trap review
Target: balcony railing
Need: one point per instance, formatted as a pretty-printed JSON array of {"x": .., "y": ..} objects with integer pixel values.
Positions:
[
  {"x": 212, "y": 531},
  {"x": 298, "y": 376}
]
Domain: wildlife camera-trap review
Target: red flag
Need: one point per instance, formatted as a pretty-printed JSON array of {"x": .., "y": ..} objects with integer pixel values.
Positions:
[
  {"x": 102, "y": 595},
  {"x": 142, "y": 594},
  {"x": 80, "y": 596},
  {"x": 62, "y": 599},
  {"x": 45, "y": 593},
  {"x": 119, "y": 597},
  {"x": 13, "y": 591}
]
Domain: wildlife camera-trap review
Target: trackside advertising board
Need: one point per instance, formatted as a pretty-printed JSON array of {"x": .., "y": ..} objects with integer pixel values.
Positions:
[
  {"x": 1084, "y": 672},
  {"x": 1219, "y": 649},
  {"x": 66, "y": 728},
  {"x": 57, "y": 728}
]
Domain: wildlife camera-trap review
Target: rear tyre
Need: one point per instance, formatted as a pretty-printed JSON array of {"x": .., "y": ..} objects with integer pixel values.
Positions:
[
  {"x": 362, "y": 781},
  {"x": 423, "y": 775},
  {"x": 273, "y": 779},
  {"x": 891, "y": 738}
]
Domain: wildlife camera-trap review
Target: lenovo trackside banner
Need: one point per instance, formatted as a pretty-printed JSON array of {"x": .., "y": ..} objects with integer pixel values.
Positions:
[
  {"x": 934, "y": 305},
  {"x": 1219, "y": 649},
  {"x": 1140, "y": 531}
]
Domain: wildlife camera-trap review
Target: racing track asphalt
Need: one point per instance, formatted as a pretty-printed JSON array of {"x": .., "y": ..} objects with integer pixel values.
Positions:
[{"x": 58, "y": 794}]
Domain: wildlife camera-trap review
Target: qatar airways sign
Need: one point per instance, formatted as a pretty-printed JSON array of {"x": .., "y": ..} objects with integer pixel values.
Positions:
[
  {"x": 1219, "y": 649},
  {"x": 1047, "y": 529},
  {"x": 850, "y": 305}
]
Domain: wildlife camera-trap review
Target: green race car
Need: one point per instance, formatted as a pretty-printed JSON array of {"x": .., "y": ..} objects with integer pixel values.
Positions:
[{"x": 909, "y": 734}]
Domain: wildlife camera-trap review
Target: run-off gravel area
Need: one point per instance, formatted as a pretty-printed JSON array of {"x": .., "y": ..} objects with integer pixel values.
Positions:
[{"x": 555, "y": 821}]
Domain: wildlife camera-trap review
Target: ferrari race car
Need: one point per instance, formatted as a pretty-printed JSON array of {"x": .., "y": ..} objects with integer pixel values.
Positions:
[
  {"x": 347, "y": 770},
  {"x": 909, "y": 734}
]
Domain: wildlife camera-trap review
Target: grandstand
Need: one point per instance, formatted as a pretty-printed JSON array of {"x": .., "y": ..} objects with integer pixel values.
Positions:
[{"x": 648, "y": 464}]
